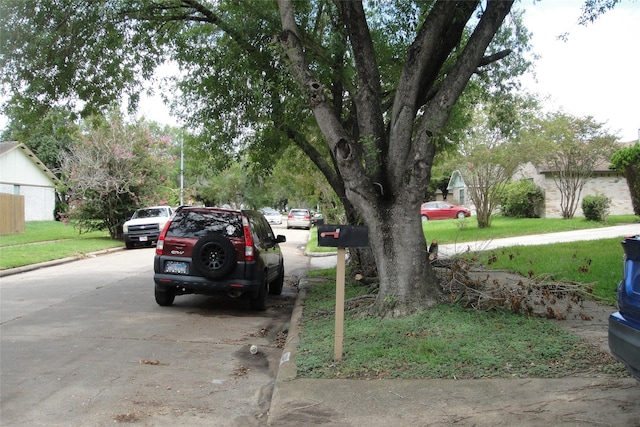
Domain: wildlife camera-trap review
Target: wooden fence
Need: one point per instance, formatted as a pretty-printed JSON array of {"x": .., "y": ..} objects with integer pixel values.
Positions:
[{"x": 11, "y": 214}]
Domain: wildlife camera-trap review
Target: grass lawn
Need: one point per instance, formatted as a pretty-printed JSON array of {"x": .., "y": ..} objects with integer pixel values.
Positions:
[
  {"x": 49, "y": 240},
  {"x": 449, "y": 341},
  {"x": 597, "y": 263},
  {"x": 446, "y": 341}
]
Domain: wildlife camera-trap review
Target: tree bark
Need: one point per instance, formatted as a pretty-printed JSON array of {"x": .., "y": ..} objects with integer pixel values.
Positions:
[
  {"x": 386, "y": 169},
  {"x": 407, "y": 281}
]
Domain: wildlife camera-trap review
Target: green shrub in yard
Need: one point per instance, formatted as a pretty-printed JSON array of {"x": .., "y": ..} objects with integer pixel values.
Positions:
[
  {"x": 522, "y": 199},
  {"x": 596, "y": 208}
]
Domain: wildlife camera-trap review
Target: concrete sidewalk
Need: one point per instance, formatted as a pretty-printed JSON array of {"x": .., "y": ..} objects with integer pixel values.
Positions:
[
  {"x": 541, "y": 239},
  {"x": 570, "y": 401}
]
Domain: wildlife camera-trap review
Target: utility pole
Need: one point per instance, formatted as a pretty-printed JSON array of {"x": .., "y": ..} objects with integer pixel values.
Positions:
[{"x": 181, "y": 170}]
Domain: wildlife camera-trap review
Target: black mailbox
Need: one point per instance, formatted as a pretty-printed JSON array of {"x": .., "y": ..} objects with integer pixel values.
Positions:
[{"x": 343, "y": 236}]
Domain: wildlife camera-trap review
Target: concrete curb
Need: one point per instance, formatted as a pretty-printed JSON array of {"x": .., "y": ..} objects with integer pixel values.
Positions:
[
  {"x": 287, "y": 368},
  {"x": 319, "y": 254},
  {"x": 31, "y": 267}
]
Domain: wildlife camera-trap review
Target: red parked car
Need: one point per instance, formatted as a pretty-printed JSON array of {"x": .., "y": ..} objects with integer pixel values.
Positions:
[{"x": 442, "y": 210}]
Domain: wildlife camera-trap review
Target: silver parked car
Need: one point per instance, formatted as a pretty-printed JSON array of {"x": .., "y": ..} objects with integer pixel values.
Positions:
[{"x": 300, "y": 218}]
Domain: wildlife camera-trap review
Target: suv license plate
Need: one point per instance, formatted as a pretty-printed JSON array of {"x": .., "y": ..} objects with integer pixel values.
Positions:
[
  {"x": 143, "y": 238},
  {"x": 176, "y": 267}
]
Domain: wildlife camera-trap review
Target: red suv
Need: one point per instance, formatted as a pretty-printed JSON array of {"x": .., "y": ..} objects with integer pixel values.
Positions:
[{"x": 212, "y": 250}]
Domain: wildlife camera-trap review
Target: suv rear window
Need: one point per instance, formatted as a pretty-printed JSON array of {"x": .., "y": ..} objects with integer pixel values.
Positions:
[{"x": 199, "y": 223}]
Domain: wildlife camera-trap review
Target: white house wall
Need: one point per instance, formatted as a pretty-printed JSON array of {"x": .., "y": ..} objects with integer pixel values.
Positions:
[
  {"x": 20, "y": 176},
  {"x": 39, "y": 202},
  {"x": 530, "y": 172},
  {"x": 16, "y": 168},
  {"x": 610, "y": 184}
]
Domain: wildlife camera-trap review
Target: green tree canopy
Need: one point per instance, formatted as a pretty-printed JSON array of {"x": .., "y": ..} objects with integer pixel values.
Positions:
[
  {"x": 489, "y": 159},
  {"x": 627, "y": 161},
  {"x": 569, "y": 148},
  {"x": 49, "y": 137}
]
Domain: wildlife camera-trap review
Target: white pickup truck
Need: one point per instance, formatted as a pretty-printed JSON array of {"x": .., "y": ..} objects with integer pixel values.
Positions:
[{"x": 145, "y": 225}]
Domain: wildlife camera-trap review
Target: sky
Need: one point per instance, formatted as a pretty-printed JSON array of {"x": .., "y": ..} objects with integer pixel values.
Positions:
[{"x": 596, "y": 72}]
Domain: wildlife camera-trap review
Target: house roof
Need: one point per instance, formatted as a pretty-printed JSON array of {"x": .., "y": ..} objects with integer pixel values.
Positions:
[
  {"x": 6, "y": 147},
  {"x": 455, "y": 180}
]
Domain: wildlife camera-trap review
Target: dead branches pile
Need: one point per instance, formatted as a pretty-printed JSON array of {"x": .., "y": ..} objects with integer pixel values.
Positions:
[{"x": 487, "y": 290}]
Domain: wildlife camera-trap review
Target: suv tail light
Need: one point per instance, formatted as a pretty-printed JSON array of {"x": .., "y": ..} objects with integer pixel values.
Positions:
[
  {"x": 248, "y": 240},
  {"x": 160, "y": 242}
]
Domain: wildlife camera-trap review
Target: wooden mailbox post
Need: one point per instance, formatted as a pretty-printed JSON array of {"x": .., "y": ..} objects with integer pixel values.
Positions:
[{"x": 341, "y": 237}]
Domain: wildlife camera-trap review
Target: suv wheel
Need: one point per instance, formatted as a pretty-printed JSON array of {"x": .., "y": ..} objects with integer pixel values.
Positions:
[
  {"x": 259, "y": 303},
  {"x": 275, "y": 287},
  {"x": 165, "y": 298},
  {"x": 214, "y": 256}
]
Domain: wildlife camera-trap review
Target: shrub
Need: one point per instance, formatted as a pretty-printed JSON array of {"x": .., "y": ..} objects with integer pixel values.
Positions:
[
  {"x": 596, "y": 208},
  {"x": 627, "y": 161},
  {"x": 522, "y": 199}
]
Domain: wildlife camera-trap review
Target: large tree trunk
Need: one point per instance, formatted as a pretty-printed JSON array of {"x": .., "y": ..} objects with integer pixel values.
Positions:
[{"x": 407, "y": 280}]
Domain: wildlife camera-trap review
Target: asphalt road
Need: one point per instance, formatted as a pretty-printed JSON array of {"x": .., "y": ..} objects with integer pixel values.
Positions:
[{"x": 84, "y": 343}]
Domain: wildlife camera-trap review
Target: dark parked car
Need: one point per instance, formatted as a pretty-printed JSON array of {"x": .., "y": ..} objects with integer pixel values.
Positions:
[
  {"x": 442, "y": 210},
  {"x": 317, "y": 218},
  {"x": 624, "y": 325},
  {"x": 213, "y": 250}
]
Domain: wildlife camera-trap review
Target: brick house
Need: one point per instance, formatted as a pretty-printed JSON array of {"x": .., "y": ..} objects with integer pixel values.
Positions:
[{"x": 604, "y": 181}]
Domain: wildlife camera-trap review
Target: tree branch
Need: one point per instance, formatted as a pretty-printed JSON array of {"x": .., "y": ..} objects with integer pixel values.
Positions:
[
  {"x": 341, "y": 147},
  {"x": 367, "y": 99},
  {"x": 438, "y": 35},
  {"x": 438, "y": 109},
  {"x": 495, "y": 57}
]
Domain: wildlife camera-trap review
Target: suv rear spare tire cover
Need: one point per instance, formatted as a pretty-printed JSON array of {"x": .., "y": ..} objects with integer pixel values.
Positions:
[{"x": 214, "y": 256}]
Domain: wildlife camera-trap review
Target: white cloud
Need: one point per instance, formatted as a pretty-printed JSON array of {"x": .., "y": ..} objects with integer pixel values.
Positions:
[{"x": 595, "y": 72}]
